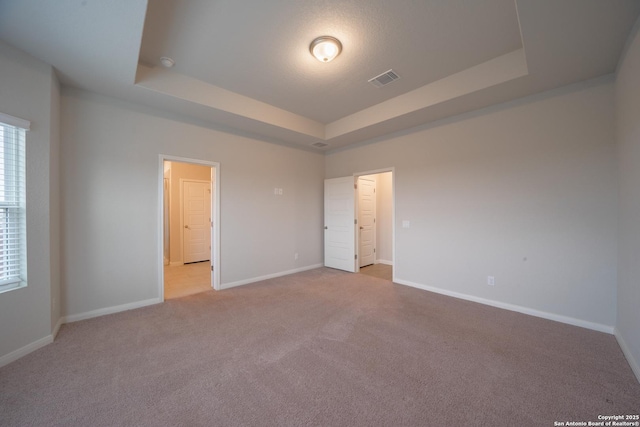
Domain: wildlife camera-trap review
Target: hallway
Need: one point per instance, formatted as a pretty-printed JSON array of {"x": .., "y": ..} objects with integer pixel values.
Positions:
[{"x": 187, "y": 279}]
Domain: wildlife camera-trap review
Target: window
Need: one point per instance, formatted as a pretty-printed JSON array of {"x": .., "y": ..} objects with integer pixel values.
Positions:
[{"x": 13, "y": 244}]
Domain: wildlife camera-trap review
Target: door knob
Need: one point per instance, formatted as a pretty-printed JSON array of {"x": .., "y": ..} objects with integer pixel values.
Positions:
[
  {"x": 186, "y": 226},
  {"x": 361, "y": 228}
]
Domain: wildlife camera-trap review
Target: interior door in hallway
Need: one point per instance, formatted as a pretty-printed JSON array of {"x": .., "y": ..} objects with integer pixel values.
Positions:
[
  {"x": 339, "y": 228},
  {"x": 196, "y": 205},
  {"x": 366, "y": 220}
]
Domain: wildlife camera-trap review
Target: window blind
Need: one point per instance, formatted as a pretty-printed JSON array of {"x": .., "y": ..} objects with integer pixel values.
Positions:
[{"x": 12, "y": 206}]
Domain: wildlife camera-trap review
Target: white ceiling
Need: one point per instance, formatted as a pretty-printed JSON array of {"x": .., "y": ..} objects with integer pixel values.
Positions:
[{"x": 245, "y": 65}]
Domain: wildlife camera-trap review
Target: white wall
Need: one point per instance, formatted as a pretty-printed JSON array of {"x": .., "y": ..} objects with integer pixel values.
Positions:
[
  {"x": 110, "y": 200},
  {"x": 628, "y": 140},
  {"x": 525, "y": 192},
  {"x": 28, "y": 90}
]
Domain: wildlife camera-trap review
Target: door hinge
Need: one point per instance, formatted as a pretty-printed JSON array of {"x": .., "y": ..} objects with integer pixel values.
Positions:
[
  {"x": 355, "y": 186},
  {"x": 374, "y": 220},
  {"x": 356, "y": 256},
  {"x": 212, "y": 268},
  {"x": 355, "y": 221},
  {"x": 374, "y": 250},
  {"x": 374, "y": 190}
]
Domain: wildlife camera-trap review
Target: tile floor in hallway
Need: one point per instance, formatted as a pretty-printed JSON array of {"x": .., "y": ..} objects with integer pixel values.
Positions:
[
  {"x": 187, "y": 279},
  {"x": 381, "y": 271}
]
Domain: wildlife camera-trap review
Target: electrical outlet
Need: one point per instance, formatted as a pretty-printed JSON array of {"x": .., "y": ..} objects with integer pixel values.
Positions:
[
  {"x": 491, "y": 281},
  {"x": 295, "y": 256},
  {"x": 406, "y": 224}
]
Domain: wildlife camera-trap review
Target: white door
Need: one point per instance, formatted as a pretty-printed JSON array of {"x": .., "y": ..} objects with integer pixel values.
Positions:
[
  {"x": 339, "y": 227},
  {"x": 196, "y": 205},
  {"x": 366, "y": 220}
]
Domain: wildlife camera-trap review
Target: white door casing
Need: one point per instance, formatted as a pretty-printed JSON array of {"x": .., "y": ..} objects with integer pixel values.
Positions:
[
  {"x": 196, "y": 208},
  {"x": 166, "y": 223},
  {"x": 339, "y": 230},
  {"x": 215, "y": 218},
  {"x": 366, "y": 220}
]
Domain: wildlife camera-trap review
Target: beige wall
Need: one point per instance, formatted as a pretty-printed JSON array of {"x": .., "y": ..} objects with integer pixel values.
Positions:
[
  {"x": 110, "y": 170},
  {"x": 525, "y": 192},
  {"x": 178, "y": 171},
  {"x": 628, "y": 140},
  {"x": 29, "y": 90}
]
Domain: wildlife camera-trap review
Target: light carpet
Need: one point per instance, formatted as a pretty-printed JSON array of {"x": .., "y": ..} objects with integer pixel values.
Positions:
[{"x": 321, "y": 347}]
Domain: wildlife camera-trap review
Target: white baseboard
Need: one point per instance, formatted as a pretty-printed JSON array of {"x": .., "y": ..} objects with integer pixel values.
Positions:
[
  {"x": 512, "y": 307},
  {"x": 17, "y": 354},
  {"x": 268, "y": 276},
  {"x": 384, "y": 261},
  {"x": 110, "y": 310},
  {"x": 21, "y": 352},
  {"x": 635, "y": 367}
]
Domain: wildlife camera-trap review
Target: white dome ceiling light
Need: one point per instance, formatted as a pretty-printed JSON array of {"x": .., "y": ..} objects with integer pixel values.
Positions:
[
  {"x": 325, "y": 48},
  {"x": 167, "y": 62}
]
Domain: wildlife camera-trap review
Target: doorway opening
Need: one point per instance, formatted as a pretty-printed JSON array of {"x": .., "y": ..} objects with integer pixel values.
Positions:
[
  {"x": 374, "y": 229},
  {"x": 189, "y": 212},
  {"x": 347, "y": 246}
]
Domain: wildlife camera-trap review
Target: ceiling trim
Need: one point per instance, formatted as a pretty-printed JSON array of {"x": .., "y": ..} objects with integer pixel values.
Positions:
[
  {"x": 493, "y": 72},
  {"x": 214, "y": 97}
]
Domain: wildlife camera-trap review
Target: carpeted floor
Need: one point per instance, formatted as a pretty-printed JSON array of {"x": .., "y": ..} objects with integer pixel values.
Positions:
[{"x": 320, "y": 347}]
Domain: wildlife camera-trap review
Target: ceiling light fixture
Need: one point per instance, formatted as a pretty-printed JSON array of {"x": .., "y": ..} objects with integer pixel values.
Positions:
[
  {"x": 167, "y": 62},
  {"x": 325, "y": 48}
]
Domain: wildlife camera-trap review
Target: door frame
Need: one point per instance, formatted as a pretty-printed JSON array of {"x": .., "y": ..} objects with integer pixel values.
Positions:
[
  {"x": 215, "y": 217},
  {"x": 182, "y": 181},
  {"x": 393, "y": 215}
]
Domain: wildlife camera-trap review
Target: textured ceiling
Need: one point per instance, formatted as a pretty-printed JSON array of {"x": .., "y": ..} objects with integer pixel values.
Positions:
[{"x": 245, "y": 65}]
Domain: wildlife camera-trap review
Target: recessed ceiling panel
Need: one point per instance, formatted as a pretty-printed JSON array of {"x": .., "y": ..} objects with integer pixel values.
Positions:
[{"x": 261, "y": 49}]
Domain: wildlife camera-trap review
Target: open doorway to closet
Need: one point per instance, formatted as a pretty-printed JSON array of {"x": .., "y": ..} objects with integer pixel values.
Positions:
[
  {"x": 374, "y": 232},
  {"x": 343, "y": 216},
  {"x": 190, "y": 200}
]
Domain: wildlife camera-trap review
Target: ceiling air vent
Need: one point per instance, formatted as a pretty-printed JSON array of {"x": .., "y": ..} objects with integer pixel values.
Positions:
[
  {"x": 384, "y": 78},
  {"x": 319, "y": 144}
]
